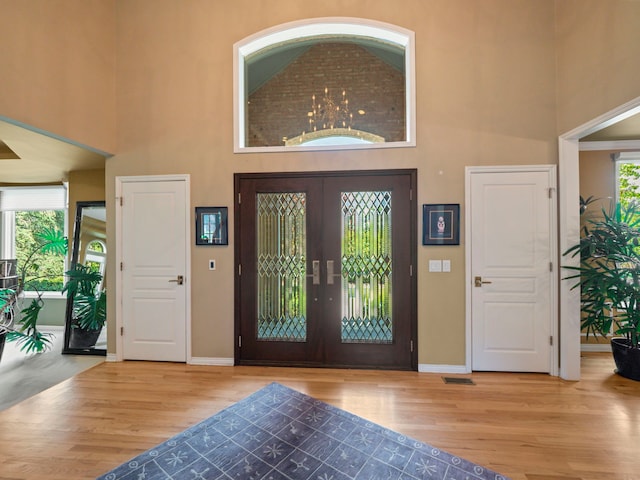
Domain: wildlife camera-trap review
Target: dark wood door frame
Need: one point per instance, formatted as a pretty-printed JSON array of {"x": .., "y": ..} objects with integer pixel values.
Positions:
[{"x": 285, "y": 176}]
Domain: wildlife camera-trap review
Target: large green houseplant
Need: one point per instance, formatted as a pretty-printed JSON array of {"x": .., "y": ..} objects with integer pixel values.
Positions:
[
  {"x": 89, "y": 306},
  {"x": 608, "y": 277},
  {"x": 89, "y": 311},
  {"x": 27, "y": 334}
]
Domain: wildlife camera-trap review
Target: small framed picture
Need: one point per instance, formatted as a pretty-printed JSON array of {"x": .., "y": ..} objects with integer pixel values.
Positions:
[
  {"x": 211, "y": 226},
  {"x": 441, "y": 224}
]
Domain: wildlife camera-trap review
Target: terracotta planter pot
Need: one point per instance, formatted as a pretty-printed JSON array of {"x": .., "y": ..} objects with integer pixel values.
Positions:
[{"x": 627, "y": 359}]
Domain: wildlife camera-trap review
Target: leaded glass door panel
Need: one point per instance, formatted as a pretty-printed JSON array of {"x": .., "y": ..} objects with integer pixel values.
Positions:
[{"x": 324, "y": 269}]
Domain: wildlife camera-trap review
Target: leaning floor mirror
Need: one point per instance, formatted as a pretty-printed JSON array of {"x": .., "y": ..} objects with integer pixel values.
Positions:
[{"x": 86, "y": 313}]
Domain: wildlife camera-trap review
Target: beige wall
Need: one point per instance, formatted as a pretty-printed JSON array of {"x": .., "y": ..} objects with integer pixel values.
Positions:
[
  {"x": 486, "y": 96},
  {"x": 58, "y": 68},
  {"x": 598, "y": 58},
  {"x": 486, "y": 76},
  {"x": 84, "y": 186},
  {"x": 598, "y": 178}
]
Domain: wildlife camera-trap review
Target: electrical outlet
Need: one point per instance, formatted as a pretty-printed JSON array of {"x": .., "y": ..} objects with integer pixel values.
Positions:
[{"x": 212, "y": 264}]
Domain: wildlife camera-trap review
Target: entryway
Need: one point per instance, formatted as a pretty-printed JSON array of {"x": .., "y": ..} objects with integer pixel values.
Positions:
[{"x": 325, "y": 271}]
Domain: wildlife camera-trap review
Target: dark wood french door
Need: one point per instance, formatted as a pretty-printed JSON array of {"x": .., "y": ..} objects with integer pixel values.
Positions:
[{"x": 325, "y": 269}]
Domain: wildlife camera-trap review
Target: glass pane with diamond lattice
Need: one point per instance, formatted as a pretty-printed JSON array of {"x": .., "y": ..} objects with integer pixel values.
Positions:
[
  {"x": 281, "y": 247},
  {"x": 366, "y": 267}
]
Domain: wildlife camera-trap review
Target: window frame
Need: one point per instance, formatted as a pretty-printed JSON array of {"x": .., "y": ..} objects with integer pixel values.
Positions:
[
  {"x": 619, "y": 159},
  {"x": 8, "y": 226},
  {"x": 320, "y": 27}
]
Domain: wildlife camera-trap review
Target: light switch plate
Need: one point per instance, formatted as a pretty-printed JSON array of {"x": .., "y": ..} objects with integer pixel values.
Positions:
[
  {"x": 435, "y": 265},
  {"x": 446, "y": 265}
]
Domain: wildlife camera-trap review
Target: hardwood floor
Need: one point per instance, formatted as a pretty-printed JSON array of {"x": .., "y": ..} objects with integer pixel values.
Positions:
[{"x": 525, "y": 426}]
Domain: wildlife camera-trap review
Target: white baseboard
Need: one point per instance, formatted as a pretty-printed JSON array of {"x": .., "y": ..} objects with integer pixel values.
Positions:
[
  {"x": 595, "y": 347},
  {"x": 428, "y": 368},
  {"x": 52, "y": 328},
  {"x": 212, "y": 361}
]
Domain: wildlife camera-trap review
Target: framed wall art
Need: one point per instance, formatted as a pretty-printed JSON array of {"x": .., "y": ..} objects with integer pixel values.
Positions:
[
  {"x": 211, "y": 226},
  {"x": 441, "y": 224}
]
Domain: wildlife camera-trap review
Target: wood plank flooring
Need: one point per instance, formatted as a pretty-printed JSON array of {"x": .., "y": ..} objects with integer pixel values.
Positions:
[{"x": 525, "y": 426}]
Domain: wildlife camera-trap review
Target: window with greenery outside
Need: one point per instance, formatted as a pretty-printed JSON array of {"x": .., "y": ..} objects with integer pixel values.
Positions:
[
  {"x": 40, "y": 250},
  {"x": 628, "y": 182},
  {"x": 44, "y": 270}
]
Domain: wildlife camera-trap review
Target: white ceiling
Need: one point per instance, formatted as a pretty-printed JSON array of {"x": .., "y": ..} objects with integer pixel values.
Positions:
[
  {"x": 628, "y": 129},
  {"x": 27, "y": 156}
]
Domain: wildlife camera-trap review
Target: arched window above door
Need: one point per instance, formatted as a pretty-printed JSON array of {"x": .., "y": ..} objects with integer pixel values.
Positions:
[{"x": 329, "y": 83}]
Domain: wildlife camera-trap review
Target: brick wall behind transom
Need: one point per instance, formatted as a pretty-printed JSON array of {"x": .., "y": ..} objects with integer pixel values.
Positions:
[{"x": 279, "y": 108}]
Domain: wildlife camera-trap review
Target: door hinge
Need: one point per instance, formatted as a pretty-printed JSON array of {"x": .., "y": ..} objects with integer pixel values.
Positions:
[
  {"x": 121, "y": 331},
  {"x": 411, "y": 195},
  {"x": 239, "y": 341},
  {"x": 411, "y": 346},
  {"x": 551, "y": 189},
  {"x": 551, "y": 340},
  {"x": 239, "y": 270},
  {"x": 239, "y": 198},
  {"x": 121, "y": 266},
  {"x": 411, "y": 270},
  {"x": 121, "y": 201},
  {"x": 551, "y": 266}
]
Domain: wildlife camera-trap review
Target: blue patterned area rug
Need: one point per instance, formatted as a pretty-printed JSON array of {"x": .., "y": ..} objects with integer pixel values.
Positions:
[{"x": 281, "y": 434}]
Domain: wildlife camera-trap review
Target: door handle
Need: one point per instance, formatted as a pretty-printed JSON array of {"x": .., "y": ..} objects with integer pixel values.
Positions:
[
  {"x": 179, "y": 280},
  {"x": 315, "y": 272},
  {"x": 330, "y": 274},
  {"x": 478, "y": 282}
]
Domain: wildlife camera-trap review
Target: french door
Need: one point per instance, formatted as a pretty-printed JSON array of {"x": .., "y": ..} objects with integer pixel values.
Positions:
[{"x": 325, "y": 265}]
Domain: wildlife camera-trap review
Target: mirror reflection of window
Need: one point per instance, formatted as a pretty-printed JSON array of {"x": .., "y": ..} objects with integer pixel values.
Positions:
[
  {"x": 326, "y": 84},
  {"x": 96, "y": 257}
]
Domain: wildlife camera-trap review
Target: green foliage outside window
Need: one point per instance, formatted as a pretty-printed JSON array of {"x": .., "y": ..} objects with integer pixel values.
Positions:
[
  {"x": 47, "y": 267},
  {"x": 629, "y": 183}
]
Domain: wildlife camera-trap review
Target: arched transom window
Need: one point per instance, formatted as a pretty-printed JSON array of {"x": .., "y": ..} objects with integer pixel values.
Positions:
[{"x": 325, "y": 84}]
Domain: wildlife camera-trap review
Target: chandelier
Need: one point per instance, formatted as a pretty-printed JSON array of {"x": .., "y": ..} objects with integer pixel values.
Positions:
[{"x": 329, "y": 113}]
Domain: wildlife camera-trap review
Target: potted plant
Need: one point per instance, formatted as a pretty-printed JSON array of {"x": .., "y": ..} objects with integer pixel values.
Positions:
[
  {"x": 89, "y": 304},
  {"x": 27, "y": 333},
  {"x": 609, "y": 280},
  {"x": 89, "y": 310}
]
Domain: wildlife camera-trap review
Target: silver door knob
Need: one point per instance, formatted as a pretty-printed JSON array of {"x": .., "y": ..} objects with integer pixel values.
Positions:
[
  {"x": 315, "y": 272},
  {"x": 330, "y": 274}
]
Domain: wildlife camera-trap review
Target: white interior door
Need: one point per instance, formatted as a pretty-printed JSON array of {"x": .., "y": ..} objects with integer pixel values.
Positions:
[
  {"x": 512, "y": 272},
  {"x": 154, "y": 270}
]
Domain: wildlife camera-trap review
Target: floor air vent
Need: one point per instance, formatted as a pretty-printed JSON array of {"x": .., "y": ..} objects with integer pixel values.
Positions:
[{"x": 458, "y": 380}]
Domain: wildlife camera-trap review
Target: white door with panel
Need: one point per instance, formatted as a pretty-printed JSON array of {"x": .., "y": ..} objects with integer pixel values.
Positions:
[
  {"x": 154, "y": 224},
  {"x": 511, "y": 234}
]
